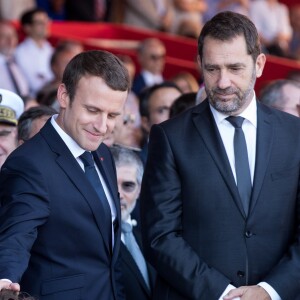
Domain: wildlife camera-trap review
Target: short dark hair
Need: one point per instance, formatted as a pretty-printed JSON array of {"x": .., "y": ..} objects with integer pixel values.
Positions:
[
  {"x": 96, "y": 63},
  {"x": 28, "y": 116},
  {"x": 182, "y": 103},
  {"x": 27, "y": 17},
  {"x": 146, "y": 93},
  {"x": 227, "y": 25}
]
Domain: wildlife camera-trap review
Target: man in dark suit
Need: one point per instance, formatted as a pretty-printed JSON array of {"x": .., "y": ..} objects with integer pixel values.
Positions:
[
  {"x": 151, "y": 57},
  {"x": 129, "y": 175},
  {"x": 60, "y": 212},
  {"x": 209, "y": 232}
]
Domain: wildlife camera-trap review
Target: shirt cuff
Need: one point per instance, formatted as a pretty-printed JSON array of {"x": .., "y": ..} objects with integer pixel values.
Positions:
[
  {"x": 4, "y": 279},
  {"x": 272, "y": 293},
  {"x": 229, "y": 288}
]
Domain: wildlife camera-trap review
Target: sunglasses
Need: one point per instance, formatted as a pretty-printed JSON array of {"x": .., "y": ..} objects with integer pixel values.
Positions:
[{"x": 156, "y": 56}]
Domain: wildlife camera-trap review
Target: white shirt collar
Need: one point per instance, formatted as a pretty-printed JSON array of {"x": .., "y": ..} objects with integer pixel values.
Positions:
[
  {"x": 151, "y": 78},
  {"x": 75, "y": 149},
  {"x": 249, "y": 113}
]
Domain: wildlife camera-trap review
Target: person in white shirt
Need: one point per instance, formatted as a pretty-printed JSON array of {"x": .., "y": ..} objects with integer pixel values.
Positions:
[
  {"x": 151, "y": 57},
  {"x": 12, "y": 78},
  {"x": 272, "y": 21},
  {"x": 33, "y": 55}
]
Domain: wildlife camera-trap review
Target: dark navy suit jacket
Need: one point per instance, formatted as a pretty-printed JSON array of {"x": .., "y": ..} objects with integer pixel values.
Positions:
[
  {"x": 51, "y": 236},
  {"x": 134, "y": 283},
  {"x": 138, "y": 84},
  {"x": 195, "y": 232}
]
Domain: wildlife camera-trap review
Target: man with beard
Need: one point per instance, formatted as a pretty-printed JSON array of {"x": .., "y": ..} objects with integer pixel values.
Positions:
[
  {"x": 220, "y": 194},
  {"x": 138, "y": 276}
]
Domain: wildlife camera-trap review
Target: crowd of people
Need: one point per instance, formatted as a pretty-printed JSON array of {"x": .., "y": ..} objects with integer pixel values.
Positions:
[
  {"x": 117, "y": 184},
  {"x": 279, "y": 32}
]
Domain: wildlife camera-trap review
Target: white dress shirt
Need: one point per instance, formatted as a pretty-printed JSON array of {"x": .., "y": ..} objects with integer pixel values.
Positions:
[
  {"x": 266, "y": 19},
  {"x": 226, "y": 131},
  {"x": 152, "y": 79},
  {"x": 34, "y": 62},
  {"x": 76, "y": 151},
  {"x": 6, "y": 80}
]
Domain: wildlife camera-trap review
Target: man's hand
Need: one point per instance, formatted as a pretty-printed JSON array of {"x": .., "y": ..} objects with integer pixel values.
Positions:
[
  {"x": 4, "y": 284},
  {"x": 248, "y": 293}
]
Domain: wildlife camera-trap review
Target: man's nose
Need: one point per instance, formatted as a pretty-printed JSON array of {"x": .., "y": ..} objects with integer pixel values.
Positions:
[
  {"x": 101, "y": 124},
  {"x": 224, "y": 80}
]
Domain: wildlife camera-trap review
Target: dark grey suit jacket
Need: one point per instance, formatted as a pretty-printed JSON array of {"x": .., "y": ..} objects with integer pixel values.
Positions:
[{"x": 194, "y": 229}]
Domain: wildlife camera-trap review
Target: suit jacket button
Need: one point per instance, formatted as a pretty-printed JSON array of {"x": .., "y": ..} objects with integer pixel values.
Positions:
[
  {"x": 240, "y": 274},
  {"x": 248, "y": 234}
]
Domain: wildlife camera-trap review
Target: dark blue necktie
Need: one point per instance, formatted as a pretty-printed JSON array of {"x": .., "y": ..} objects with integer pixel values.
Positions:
[
  {"x": 93, "y": 177},
  {"x": 242, "y": 169}
]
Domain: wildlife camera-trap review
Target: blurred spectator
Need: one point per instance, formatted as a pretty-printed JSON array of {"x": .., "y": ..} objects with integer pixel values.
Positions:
[
  {"x": 295, "y": 23},
  {"x": 187, "y": 19},
  {"x": 216, "y": 6},
  {"x": 186, "y": 82},
  {"x": 182, "y": 103},
  {"x": 271, "y": 19},
  {"x": 62, "y": 54},
  {"x": 138, "y": 276},
  {"x": 127, "y": 131},
  {"x": 151, "y": 57},
  {"x": 201, "y": 95},
  {"x": 294, "y": 75},
  {"x": 150, "y": 14},
  {"x": 155, "y": 103},
  {"x": 87, "y": 10},
  {"x": 129, "y": 64},
  {"x": 188, "y": 28},
  {"x": 283, "y": 95},
  {"x": 12, "y": 77},
  {"x": 32, "y": 120},
  {"x": 13, "y": 9},
  {"x": 11, "y": 107},
  {"x": 34, "y": 53},
  {"x": 54, "y": 8}
]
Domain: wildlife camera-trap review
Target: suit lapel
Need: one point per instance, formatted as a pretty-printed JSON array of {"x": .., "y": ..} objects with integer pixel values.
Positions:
[
  {"x": 207, "y": 128},
  {"x": 69, "y": 165},
  {"x": 264, "y": 141},
  {"x": 131, "y": 264}
]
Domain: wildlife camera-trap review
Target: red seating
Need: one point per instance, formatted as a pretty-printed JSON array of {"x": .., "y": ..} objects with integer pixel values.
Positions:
[{"x": 181, "y": 52}]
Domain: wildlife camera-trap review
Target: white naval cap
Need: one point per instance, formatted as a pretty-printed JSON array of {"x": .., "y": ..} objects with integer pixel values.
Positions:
[{"x": 11, "y": 107}]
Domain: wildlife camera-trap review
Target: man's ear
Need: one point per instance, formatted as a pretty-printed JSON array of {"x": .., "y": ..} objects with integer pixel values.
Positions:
[
  {"x": 63, "y": 96},
  {"x": 260, "y": 64}
]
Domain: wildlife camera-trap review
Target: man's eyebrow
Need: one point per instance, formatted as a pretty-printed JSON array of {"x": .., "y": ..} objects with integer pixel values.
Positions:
[
  {"x": 5, "y": 132},
  {"x": 239, "y": 64}
]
